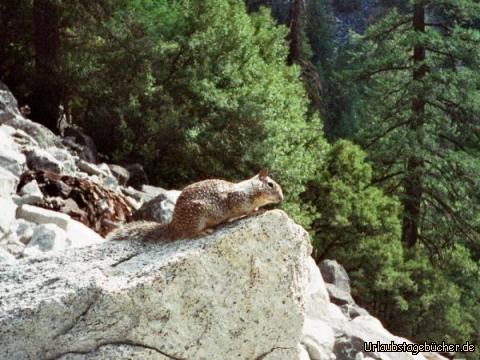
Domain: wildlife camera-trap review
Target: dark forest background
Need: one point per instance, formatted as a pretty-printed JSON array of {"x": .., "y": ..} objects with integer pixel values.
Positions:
[{"x": 366, "y": 111}]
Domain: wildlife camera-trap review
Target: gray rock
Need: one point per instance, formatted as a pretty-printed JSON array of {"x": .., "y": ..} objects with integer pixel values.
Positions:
[
  {"x": 10, "y": 115},
  {"x": 26, "y": 200},
  {"x": 24, "y": 140},
  {"x": 67, "y": 160},
  {"x": 6, "y": 141},
  {"x": 318, "y": 339},
  {"x": 32, "y": 189},
  {"x": 8, "y": 105},
  {"x": 13, "y": 161},
  {"x": 83, "y": 144},
  {"x": 46, "y": 237},
  {"x": 237, "y": 294},
  {"x": 248, "y": 291},
  {"x": 133, "y": 203},
  {"x": 172, "y": 195},
  {"x": 24, "y": 230},
  {"x": 105, "y": 169},
  {"x": 90, "y": 169},
  {"x": 303, "y": 353},
  {"x": 135, "y": 194},
  {"x": 8, "y": 183},
  {"x": 150, "y": 192},
  {"x": 78, "y": 234},
  {"x": 118, "y": 351},
  {"x": 353, "y": 310},
  {"x": 360, "y": 356},
  {"x": 8, "y": 237},
  {"x": 159, "y": 209},
  {"x": 138, "y": 176},
  {"x": 323, "y": 317},
  {"x": 121, "y": 174},
  {"x": 318, "y": 305},
  {"x": 7, "y": 215},
  {"x": 350, "y": 338},
  {"x": 81, "y": 175},
  {"x": 111, "y": 182},
  {"x": 39, "y": 133},
  {"x": 39, "y": 215},
  {"x": 9, "y": 132},
  {"x": 338, "y": 296},
  {"x": 6, "y": 257},
  {"x": 14, "y": 246},
  {"x": 99, "y": 173},
  {"x": 40, "y": 159},
  {"x": 69, "y": 142},
  {"x": 335, "y": 274}
]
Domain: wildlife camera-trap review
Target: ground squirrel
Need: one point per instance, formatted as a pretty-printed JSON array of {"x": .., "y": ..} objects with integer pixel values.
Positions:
[{"x": 205, "y": 204}]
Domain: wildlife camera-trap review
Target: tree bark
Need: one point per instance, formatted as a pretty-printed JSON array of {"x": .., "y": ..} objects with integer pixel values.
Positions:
[
  {"x": 413, "y": 179},
  {"x": 254, "y": 5},
  {"x": 294, "y": 24},
  {"x": 47, "y": 91},
  {"x": 14, "y": 41}
]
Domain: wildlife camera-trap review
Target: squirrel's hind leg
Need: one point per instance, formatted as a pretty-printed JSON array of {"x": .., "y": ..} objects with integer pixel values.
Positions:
[{"x": 190, "y": 220}]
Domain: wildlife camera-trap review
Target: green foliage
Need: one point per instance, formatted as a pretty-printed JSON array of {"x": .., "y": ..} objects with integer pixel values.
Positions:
[
  {"x": 347, "y": 6},
  {"x": 359, "y": 226},
  {"x": 442, "y": 304},
  {"x": 337, "y": 105},
  {"x": 16, "y": 54},
  {"x": 319, "y": 25},
  {"x": 445, "y": 141},
  {"x": 350, "y": 205},
  {"x": 423, "y": 111},
  {"x": 204, "y": 92},
  {"x": 197, "y": 89},
  {"x": 295, "y": 151}
]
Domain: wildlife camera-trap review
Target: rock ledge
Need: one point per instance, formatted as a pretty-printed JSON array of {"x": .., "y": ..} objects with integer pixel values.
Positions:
[{"x": 200, "y": 299}]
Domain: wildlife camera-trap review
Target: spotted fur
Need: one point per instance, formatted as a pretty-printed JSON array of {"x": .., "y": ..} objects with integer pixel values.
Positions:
[{"x": 204, "y": 205}]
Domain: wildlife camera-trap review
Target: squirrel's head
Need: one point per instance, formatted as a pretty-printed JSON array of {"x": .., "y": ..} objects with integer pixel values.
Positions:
[{"x": 271, "y": 191}]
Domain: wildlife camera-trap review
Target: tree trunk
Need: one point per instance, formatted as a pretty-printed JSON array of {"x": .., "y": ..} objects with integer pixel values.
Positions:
[
  {"x": 413, "y": 179},
  {"x": 14, "y": 35},
  {"x": 5, "y": 15},
  {"x": 47, "y": 91},
  {"x": 254, "y": 5},
  {"x": 294, "y": 18}
]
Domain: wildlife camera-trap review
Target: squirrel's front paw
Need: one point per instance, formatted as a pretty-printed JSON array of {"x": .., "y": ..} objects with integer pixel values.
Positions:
[
  {"x": 207, "y": 232},
  {"x": 258, "y": 211}
]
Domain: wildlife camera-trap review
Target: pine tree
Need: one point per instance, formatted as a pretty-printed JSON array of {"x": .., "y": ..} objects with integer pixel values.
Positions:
[
  {"x": 47, "y": 90},
  {"x": 16, "y": 54},
  {"x": 418, "y": 74}
]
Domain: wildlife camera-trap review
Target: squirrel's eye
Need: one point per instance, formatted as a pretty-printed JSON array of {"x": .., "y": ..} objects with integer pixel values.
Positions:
[{"x": 270, "y": 184}]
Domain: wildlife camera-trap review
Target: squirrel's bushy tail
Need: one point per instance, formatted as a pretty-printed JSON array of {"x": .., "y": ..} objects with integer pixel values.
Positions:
[{"x": 145, "y": 231}]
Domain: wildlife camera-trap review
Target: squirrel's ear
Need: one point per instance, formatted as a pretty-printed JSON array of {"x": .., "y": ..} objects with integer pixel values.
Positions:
[{"x": 263, "y": 174}]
